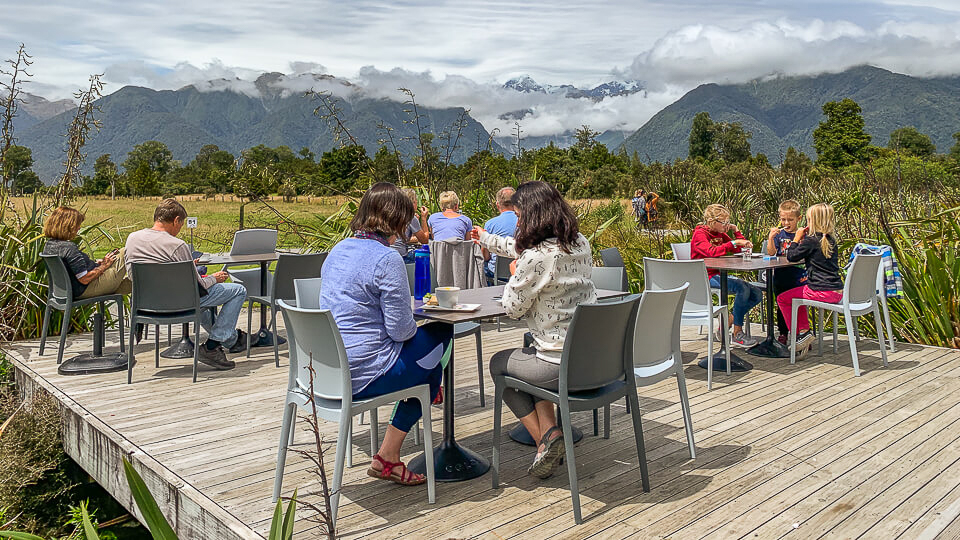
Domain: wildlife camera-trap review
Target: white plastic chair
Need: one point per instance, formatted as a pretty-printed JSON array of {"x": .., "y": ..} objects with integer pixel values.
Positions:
[
  {"x": 681, "y": 251},
  {"x": 315, "y": 340},
  {"x": 656, "y": 347},
  {"x": 859, "y": 298},
  {"x": 698, "y": 308},
  {"x": 307, "y": 292},
  {"x": 252, "y": 242}
]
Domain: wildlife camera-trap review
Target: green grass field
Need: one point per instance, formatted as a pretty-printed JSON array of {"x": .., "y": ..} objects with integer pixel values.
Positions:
[{"x": 217, "y": 219}]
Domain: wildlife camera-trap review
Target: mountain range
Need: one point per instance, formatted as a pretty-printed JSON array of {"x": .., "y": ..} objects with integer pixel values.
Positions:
[
  {"x": 187, "y": 119},
  {"x": 784, "y": 111},
  {"x": 779, "y": 112}
]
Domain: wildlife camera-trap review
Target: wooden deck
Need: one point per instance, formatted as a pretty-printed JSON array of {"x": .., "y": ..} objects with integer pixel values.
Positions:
[{"x": 800, "y": 451}]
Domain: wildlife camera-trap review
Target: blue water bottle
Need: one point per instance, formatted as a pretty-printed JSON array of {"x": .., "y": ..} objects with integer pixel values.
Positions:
[{"x": 421, "y": 272}]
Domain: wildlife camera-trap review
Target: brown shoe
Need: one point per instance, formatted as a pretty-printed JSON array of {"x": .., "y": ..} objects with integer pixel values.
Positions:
[{"x": 216, "y": 358}]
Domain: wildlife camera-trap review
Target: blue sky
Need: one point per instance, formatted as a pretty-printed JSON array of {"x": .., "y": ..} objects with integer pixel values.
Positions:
[{"x": 458, "y": 52}]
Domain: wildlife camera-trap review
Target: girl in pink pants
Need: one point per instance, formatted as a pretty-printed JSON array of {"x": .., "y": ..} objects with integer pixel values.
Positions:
[
  {"x": 785, "y": 301},
  {"x": 815, "y": 246}
]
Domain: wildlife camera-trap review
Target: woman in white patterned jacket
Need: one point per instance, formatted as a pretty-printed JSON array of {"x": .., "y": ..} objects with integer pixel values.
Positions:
[{"x": 551, "y": 277}]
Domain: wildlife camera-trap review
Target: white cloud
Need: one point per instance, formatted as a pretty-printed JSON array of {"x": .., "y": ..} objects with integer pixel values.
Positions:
[{"x": 706, "y": 53}]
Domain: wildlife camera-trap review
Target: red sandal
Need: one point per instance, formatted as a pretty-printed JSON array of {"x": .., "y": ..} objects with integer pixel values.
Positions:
[{"x": 404, "y": 478}]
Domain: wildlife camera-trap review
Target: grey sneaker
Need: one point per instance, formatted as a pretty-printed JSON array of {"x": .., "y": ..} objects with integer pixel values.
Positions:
[
  {"x": 216, "y": 358},
  {"x": 241, "y": 344},
  {"x": 740, "y": 339},
  {"x": 804, "y": 341}
]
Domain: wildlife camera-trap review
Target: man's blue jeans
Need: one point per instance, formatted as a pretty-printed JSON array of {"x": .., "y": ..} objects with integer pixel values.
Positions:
[
  {"x": 746, "y": 297},
  {"x": 230, "y": 296}
]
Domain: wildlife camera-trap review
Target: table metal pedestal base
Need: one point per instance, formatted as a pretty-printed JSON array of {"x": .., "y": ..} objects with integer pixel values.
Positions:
[
  {"x": 770, "y": 348},
  {"x": 720, "y": 363},
  {"x": 522, "y": 436},
  {"x": 97, "y": 361},
  {"x": 452, "y": 463},
  {"x": 182, "y": 348}
]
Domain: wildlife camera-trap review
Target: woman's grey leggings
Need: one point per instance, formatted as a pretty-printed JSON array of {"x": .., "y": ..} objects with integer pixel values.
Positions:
[{"x": 523, "y": 364}]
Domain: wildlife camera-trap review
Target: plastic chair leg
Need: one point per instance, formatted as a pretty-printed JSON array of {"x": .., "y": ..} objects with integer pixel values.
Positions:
[
  {"x": 480, "y": 369},
  {"x": 880, "y": 340},
  {"x": 346, "y": 421},
  {"x": 886, "y": 315},
  {"x": 848, "y": 319},
  {"x": 606, "y": 421},
  {"x": 130, "y": 352},
  {"x": 276, "y": 335},
  {"x": 374, "y": 432},
  {"x": 428, "y": 448},
  {"x": 638, "y": 435},
  {"x": 286, "y": 426},
  {"x": 44, "y": 328},
  {"x": 596, "y": 422},
  {"x": 571, "y": 462},
  {"x": 794, "y": 307},
  {"x": 249, "y": 327},
  {"x": 497, "y": 424},
  {"x": 156, "y": 348},
  {"x": 64, "y": 328},
  {"x": 685, "y": 409},
  {"x": 196, "y": 347},
  {"x": 710, "y": 355},
  {"x": 120, "y": 317}
]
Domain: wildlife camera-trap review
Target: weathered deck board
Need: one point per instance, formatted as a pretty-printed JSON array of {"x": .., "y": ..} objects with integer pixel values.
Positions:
[{"x": 802, "y": 451}]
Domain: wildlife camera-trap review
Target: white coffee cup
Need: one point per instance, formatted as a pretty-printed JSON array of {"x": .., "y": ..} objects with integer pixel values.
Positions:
[{"x": 448, "y": 297}]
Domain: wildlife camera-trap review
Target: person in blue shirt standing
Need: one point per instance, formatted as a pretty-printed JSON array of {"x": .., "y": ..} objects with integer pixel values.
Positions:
[{"x": 503, "y": 225}]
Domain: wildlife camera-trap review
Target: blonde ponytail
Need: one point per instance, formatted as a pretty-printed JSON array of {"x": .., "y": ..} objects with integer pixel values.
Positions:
[{"x": 820, "y": 219}]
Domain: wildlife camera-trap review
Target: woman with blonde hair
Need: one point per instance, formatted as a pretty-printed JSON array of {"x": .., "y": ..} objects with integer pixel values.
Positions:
[
  {"x": 89, "y": 278},
  {"x": 449, "y": 222},
  {"x": 815, "y": 246}
]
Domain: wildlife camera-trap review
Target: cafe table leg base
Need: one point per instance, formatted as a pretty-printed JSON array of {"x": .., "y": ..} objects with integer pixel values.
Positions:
[
  {"x": 720, "y": 363},
  {"x": 91, "y": 363},
  {"x": 452, "y": 463},
  {"x": 265, "y": 339},
  {"x": 770, "y": 348},
  {"x": 180, "y": 349},
  {"x": 521, "y": 435}
]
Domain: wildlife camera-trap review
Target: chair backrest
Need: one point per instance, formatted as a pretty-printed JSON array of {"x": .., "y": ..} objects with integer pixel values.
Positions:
[
  {"x": 292, "y": 266},
  {"x": 657, "y": 333},
  {"x": 681, "y": 251},
  {"x": 597, "y": 349},
  {"x": 254, "y": 242},
  {"x": 312, "y": 333},
  {"x": 164, "y": 287},
  {"x": 611, "y": 278},
  {"x": 456, "y": 263},
  {"x": 58, "y": 278},
  {"x": 307, "y": 292},
  {"x": 611, "y": 257},
  {"x": 662, "y": 274},
  {"x": 412, "y": 275},
  {"x": 861, "y": 285},
  {"x": 501, "y": 269}
]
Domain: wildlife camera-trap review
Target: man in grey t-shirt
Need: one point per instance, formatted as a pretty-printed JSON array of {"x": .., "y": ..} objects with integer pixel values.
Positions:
[{"x": 160, "y": 244}]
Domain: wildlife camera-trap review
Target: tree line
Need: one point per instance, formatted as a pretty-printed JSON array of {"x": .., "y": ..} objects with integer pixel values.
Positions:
[{"x": 586, "y": 169}]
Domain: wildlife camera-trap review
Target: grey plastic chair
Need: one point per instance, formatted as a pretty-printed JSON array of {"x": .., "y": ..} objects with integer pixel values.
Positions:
[
  {"x": 307, "y": 292},
  {"x": 656, "y": 347},
  {"x": 164, "y": 293},
  {"x": 698, "y": 308},
  {"x": 315, "y": 341},
  {"x": 60, "y": 298},
  {"x": 859, "y": 298},
  {"x": 289, "y": 267},
  {"x": 596, "y": 369},
  {"x": 611, "y": 257},
  {"x": 611, "y": 278},
  {"x": 251, "y": 242}
]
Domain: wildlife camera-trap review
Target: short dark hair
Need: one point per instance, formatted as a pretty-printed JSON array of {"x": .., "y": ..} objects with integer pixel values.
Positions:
[
  {"x": 384, "y": 210},
  {"x": 543, "y": 214},
  {"x": 168, "y": 211}
]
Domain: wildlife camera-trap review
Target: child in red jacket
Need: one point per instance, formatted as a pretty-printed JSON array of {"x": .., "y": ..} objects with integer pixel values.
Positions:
[{"x": 712, "y": 238}]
